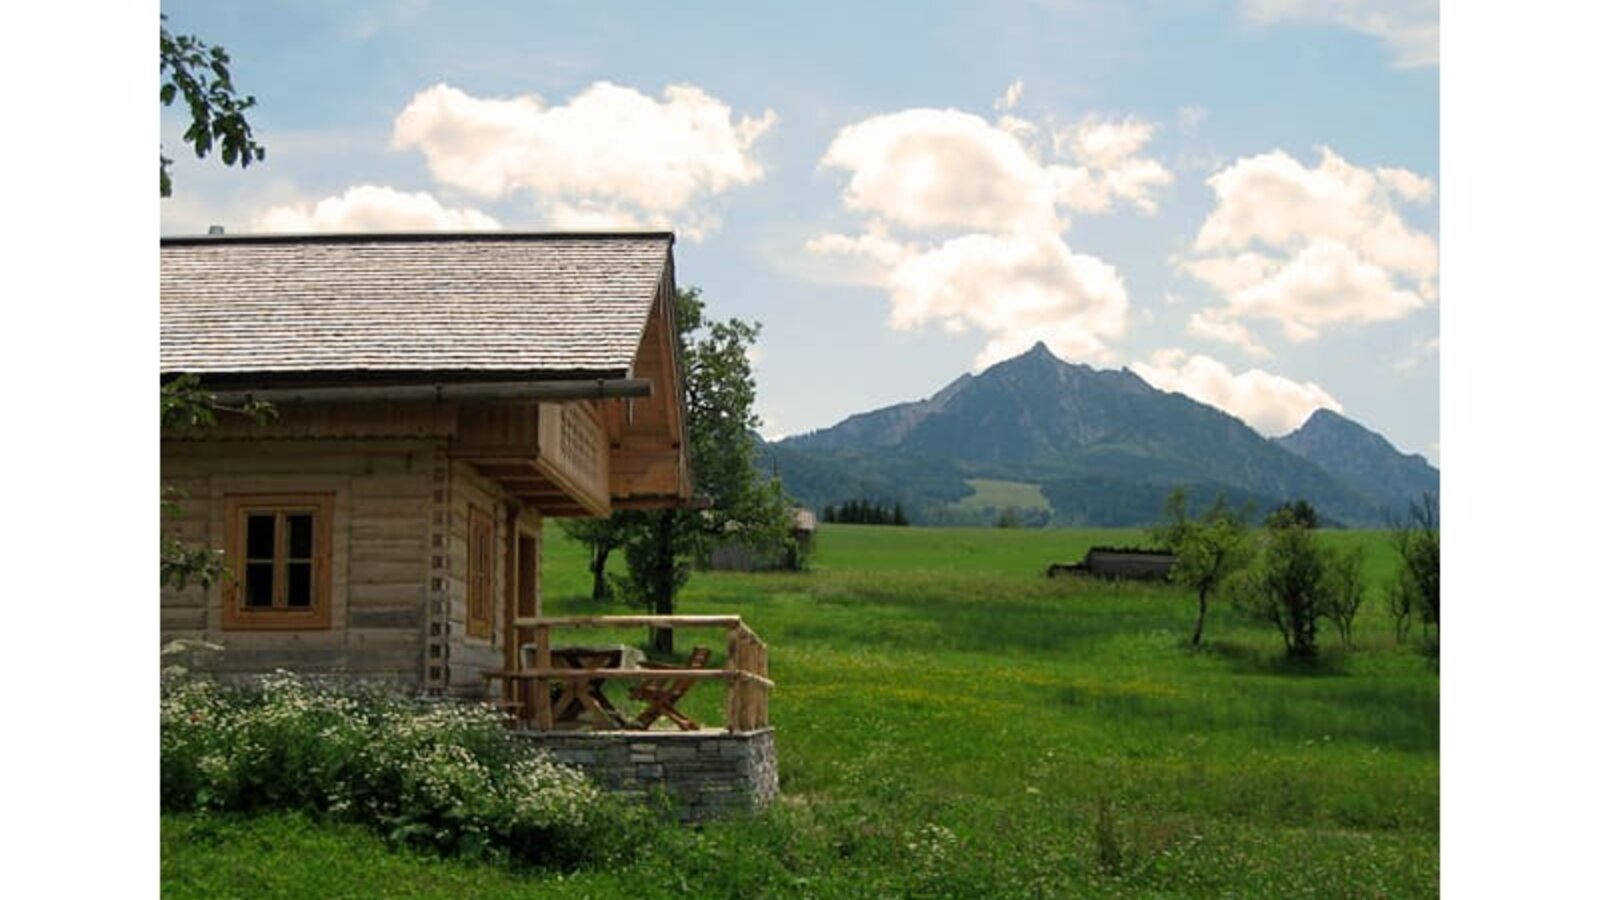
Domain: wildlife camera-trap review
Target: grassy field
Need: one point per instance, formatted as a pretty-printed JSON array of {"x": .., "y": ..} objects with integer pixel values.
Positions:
[
  {"x": 989, "y": 494},
  {"x": 952, "y": 724}
]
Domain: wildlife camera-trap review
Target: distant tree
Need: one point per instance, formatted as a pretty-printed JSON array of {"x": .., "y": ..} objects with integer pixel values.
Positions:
[
  {"x": 719, "y": 390},
  {"x": 1345, "y": 589},
  {"x": 1298, "y": 512},
  {"x": 1415, "y": 589},
  {"x": 199, "y": 73},
  {"x": 1290, "y": 588},
  {"x": 1207, "y": 550},
  {"x": 865, "y": 512},
  {"x": 600, "y": 536},
  {"x": 1009, "y": 517}
]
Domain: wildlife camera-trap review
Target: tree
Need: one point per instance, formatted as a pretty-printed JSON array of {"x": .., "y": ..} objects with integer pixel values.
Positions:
[
  {"x": 601, "y": 536},
  {"x": 1288, "y": 589},
  {"x": 199, "y": 73},
  {"x": 1299, "y": 512},
  {"x": 185, "y": 406},
  {"x": 1206, "y": 550},
  {"x": 1415, "y": 590},
  {"x": 1345, "y": 589},
  {"x": 720, "y": 396}
]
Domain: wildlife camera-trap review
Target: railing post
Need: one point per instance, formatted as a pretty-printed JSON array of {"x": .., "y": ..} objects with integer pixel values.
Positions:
[
  {"x": 735, "y": 704},
  {"x": 765, "y": 692},
  {"x": 542, "y": 714}
]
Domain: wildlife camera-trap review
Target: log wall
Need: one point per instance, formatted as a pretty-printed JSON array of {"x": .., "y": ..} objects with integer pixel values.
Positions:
[
  {"x": 383, "y": 504},
  {"x": 468, "y": 655}
]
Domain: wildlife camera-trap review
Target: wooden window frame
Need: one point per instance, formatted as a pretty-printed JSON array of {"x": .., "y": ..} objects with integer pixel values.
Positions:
[
  {"x": 480, "y": 573},
  {"x": 319, "y": 615}
]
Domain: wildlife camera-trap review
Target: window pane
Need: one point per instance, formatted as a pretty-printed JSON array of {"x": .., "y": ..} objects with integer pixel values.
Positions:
[
  {"x": 259, "y": 536},
  {"x": 299, "y": 536},
  {"x": 258, "y": 584},
  {"x": 300, "y": 585}
]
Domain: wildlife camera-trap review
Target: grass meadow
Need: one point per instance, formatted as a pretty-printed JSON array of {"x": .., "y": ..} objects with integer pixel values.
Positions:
[{"x": 952, "y": 724}]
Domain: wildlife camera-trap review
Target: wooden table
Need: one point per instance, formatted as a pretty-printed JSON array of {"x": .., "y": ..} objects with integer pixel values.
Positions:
[
  {"x": 589, "y": 696},
  {"x": 573, "y": 704}
]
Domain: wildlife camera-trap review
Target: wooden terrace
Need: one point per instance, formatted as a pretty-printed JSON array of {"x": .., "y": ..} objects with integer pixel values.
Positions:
[{"x": 562, "y": 686}]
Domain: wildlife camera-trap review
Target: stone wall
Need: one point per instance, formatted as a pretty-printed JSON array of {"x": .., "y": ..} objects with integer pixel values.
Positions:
[{"x": 703, "y": 774}]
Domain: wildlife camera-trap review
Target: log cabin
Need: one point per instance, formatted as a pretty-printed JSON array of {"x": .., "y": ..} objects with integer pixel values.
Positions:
[{"x": 437, "y": 397}]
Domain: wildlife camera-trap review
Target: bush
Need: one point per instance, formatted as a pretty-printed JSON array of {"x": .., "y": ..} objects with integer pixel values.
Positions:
[
  {"x": 1289, "y": 588},
  {"x": 1415, "y": 591},
  {"x": 439, "y": 775},
  {"x": 1345, "y": 589}
]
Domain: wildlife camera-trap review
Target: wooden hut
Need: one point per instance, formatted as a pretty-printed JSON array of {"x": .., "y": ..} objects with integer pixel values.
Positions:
[
  {"x": 438, "y": 397},
  {"x": 731, "y": 554},
  {"x": 1120, "y": 563}
]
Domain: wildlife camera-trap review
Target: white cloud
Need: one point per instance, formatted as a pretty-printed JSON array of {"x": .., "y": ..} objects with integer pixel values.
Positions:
[
  {"x": 1208, "y": 324},
  {"x": 369, "y": 207},
  {"x": 1017, "y": 288},
  {"x": 1011, "y": 98},
  {"x": 1108, "y": 151},
  {"x": 1423, "y": 350},
  {"x": 1269, "y": 403},
  {"x": 609, "y": 156},
  {"x": 1409, "y": 27},
  {"x": 918, "y": 175},
  {"x": 1190, "y": 117},
  {"x": 1311, "y": 248},
  {"x": 930, "y": 169}
]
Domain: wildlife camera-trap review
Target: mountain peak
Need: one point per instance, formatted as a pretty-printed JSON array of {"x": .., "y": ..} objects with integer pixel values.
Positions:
[
  {"x": 1361, "y": 456},
  {"x": 1103, "y": 446},
  {"x": 1325, "y": 416}
]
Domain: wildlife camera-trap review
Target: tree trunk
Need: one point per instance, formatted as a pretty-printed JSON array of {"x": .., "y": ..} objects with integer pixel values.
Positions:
[
  {"x": 662, "y": 582},
  {"x": 1200, "y": 623},
  {"x": 597, "y": 565}
]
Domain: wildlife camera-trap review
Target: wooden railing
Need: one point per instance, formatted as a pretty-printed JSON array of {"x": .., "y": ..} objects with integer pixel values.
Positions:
[{"x": 528, "y": 689}]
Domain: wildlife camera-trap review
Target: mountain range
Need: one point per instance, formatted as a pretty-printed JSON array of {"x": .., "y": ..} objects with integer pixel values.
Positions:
[{"x": 1066, "y": 444}]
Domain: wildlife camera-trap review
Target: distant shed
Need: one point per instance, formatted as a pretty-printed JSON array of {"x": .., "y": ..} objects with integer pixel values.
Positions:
[
  {"x": 1124, "y": 563},
  {"x": 735, "y": 555}
]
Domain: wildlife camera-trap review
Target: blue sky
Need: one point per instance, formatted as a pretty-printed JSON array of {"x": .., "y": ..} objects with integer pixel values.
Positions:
[{"x": 1238, "y": 200}]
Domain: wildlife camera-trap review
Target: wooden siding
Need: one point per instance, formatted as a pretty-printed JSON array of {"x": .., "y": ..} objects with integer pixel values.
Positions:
[
  {"x": 335, "y": 420},
  {"x": 468, "y": 654},
  {"x": 550, "y": 455},
  {"x": 379, "y": 574},
  {"x": 649, "y": 465}
]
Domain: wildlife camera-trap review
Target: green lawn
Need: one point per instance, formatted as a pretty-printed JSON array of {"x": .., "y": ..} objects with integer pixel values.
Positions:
[
  {"x": 952, "y": 723},
  {"x": 992, "y": 494}
]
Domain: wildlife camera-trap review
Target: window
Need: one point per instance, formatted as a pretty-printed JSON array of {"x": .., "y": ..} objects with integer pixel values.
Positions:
[
  {"x": 480, "y": 569},
  {"x": 279, "y": 554}
]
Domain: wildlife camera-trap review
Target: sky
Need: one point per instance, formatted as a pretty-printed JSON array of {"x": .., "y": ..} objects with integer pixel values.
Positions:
[
  {"x": 1235, "y": 199},
  {"x": 1518, "y": 151}
]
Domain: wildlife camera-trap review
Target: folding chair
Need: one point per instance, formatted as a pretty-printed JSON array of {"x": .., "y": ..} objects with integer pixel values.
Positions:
[{"x": 663, "y": 694}]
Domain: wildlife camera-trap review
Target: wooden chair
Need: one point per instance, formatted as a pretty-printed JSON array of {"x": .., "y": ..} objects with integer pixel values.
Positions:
[{"x": 663, "y": 694}]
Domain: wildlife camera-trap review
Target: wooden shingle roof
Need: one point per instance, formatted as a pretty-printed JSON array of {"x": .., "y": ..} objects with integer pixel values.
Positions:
[{"x": 490, "y": 303}]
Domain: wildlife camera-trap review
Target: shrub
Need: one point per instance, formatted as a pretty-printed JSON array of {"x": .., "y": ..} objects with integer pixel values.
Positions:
[
  {"x": 440, "y": 775},
  {"x": 1344, "y": 589},
  {"x": 1207, "y": 550},
  {"x": 1415, "y": 590},
  {"x": 1289, "y": 588}
]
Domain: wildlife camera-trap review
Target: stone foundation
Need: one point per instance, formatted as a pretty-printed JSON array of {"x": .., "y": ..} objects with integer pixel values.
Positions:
[{"x": 703, "y": 774}]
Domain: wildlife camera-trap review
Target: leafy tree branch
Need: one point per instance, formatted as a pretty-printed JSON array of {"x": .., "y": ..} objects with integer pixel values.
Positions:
[{"x": 198, "y": 72}]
